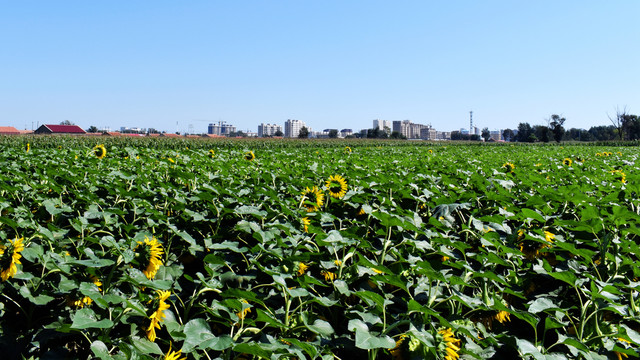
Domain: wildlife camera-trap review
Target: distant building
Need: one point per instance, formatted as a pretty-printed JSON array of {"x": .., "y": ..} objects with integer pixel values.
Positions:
[
  {"x": 496, "y": 135},
  {"x": 221, "y": 128},
  {"x": 59, "y": 129},
  {"x": 346, "y": 132},
  {"x": 382, "y": 124},
  {"x": 292, "y": 128},
  {"x": 133, "y": 130},
  {"x": 268, "y": 129},
  {"x": 9, "y": 130}
]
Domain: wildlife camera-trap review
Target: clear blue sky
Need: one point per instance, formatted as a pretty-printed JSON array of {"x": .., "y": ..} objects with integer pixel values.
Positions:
[{"x": 333, "y": 64}]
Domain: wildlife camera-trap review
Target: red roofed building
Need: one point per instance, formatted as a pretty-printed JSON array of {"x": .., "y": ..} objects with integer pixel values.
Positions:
[
  {"x": 9, "y": 130},
  {"x": 60, "y": 129}
]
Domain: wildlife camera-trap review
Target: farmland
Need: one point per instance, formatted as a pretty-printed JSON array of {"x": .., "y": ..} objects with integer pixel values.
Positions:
[{"x": 250, "y": 249}]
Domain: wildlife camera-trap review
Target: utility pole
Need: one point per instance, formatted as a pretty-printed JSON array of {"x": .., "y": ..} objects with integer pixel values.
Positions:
[{"x": 470, "y": 123}]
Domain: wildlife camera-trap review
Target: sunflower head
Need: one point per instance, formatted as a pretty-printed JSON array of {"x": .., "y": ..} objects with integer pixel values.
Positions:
[
  {"x": 100, "y": 151},
  {"x": 149, "y": 256},
  {"x": 212, "y": 154},
  {"x": 567, "y": 162},
  {"x": 312, "y": 198},
  {"x": 249, "y": 156},
  {"x": 347, "y": 150},
  {"x": 448, "y": 345},
  {"x": 337, "y": 186},
  {"x": 9, "y": 257},
  {"x": 305, "y": 224},
  {"x": 619, "y": 175},
  {"x": 27, "y": 147},
  {"x": 508, "y": 167},
  {"x": 157, "y": 316}
]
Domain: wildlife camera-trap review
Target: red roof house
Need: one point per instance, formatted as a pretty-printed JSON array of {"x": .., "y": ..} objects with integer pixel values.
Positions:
[
  {"x": 59, "y": 129},
  {"x": 9, "y": 130}
]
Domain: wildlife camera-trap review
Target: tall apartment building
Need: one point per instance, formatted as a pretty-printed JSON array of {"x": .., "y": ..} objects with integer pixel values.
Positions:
[
  {"x": 382, "y": 124},
  {"x": 221, "y": 128},
  {"x": 268, "y": 129},
  {"x": 403, "y": 127},
  {"x": 292, "y": 128}
]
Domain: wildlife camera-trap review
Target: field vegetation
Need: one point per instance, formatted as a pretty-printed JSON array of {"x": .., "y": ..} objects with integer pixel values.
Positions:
[{"x": 115, "y": 248}]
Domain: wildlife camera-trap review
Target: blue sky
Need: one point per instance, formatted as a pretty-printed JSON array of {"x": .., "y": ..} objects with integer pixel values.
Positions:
[{"x": 332, "y": 64}]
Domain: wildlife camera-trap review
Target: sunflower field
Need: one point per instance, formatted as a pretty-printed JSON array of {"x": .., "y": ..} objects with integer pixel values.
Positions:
[{"x": 114, "y": 248}]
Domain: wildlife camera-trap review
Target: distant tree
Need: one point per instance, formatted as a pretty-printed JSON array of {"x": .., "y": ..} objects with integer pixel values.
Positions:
[
  {"x": 541, "y": 132},
  {"x": 507, "y": 134},
  {"x": 278, "y": 133},
  {"x": 397, "y": 135},
  {"x": 574, "y": 134},
  {"x": 475, "y": 137},
  {"x": 622, "y": 122},
  {"x": 92, "y": 129},
  {"x": 524, "y": 132},
  {"x": 486, "y": 134},
  {"x": 304, "y": 133},
  {"x": 333, "y": 133},
  {"x": 555, "y": 125},
  {"x": 603, "y": 133},
  {"x": 237, "y": 134},
  {"x": 66, "y": 122}
]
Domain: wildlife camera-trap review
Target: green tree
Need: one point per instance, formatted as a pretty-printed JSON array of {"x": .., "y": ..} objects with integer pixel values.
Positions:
[
  {"x": 92, "y": 129},
  {"x": 333, "y": 133},
  {"x": 555, "y": 125},
  {"x": 524, "y": 132},
  {"x": 304, "y": 133},
  {"x": 486, "y": 134},
  {"x": 508, "y": 135},
  {"x": 278, "y": 133},
  {"x": 66, "y": 122}
]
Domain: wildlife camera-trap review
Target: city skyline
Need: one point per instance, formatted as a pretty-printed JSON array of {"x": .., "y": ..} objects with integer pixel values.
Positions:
[{"x": 170, "y": 65}]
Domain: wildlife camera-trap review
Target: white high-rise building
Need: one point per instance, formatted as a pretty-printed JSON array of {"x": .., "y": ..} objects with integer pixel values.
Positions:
[
  {"x": 292, "y": 128},
  {"x": 382, "y": 124},
  {"x": 268, "y": 129}
]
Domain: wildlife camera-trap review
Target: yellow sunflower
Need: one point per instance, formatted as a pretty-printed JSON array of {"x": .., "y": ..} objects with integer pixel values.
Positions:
[
  {"x": 619, "y": 175},
  {"x": 337, "y": 186},
  {"x": 509, "y": 167},
  {"x": 305, "y": 223},
  {"x": 100, "y": 151},
  {"x": 249, "y": 156},
  {"x": 328, "y": 275},
  {"x": 27, "y": 147},
  {"x": 173, "y": 355},
  {"x": 567, "y": 162},
  {"x": 450, "y": 344},
  {"x": 397, "y": 351},
  {"x": 243, "y": 312},
  {"x": 347, "y": 150},
  {"x": 212, "y": 154},
  {"x": 302, "y": 267},
  {"x": 158, "y": 316},
  {"x": 312, "y": 198},
  {"x": 503, "y": 316},
  {"x": 9, "y": 257},
  {"x": 150, "y": 255}
]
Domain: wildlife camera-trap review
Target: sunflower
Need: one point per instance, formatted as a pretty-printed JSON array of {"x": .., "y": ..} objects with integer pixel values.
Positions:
[
  {"x": 509, "y": 167},
  {"x": 302, "y": 267},
  {"x": 249, "y": 156},
  {"x": 80, "y": 303},
  {"x": 173, "y": 355},
  {"x": 100, "y": 151},
  {"x": 312, "y": 198},
  {"x": 27, "y": 147},
  {"x": 212, "y": 154},
  {"x": 503, "y": 316},
  {"x": 9, "y": 257},
  {"x": 450, "y": 344},
  {"x": 243, "y": 312},
  {"x": 158, "y": 316},
  {"x": 625, "y": 342},
  {"x": 305, "y": 223},
  {"x": 347, "y": 150},
  {"x": 619, "y": 175},
  {"x": 150, "y": 256},
  {"x": 397, "y": 351},
  {"x": 337, "y": 186},
  {"x": 549, "y": 236},
  {"x": 328, "y": 275},
  {"x": 567, "y": 162}
]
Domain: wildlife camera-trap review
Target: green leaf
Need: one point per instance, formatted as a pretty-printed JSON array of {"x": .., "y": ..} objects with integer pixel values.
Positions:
[
  {"x": 199, "y": 336},
  {"x": 100, "y": 350},
  {"x": 87, "y": 319},
  {"x": 365, "y": 340},
  {"x": 321, "y": 327}
]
